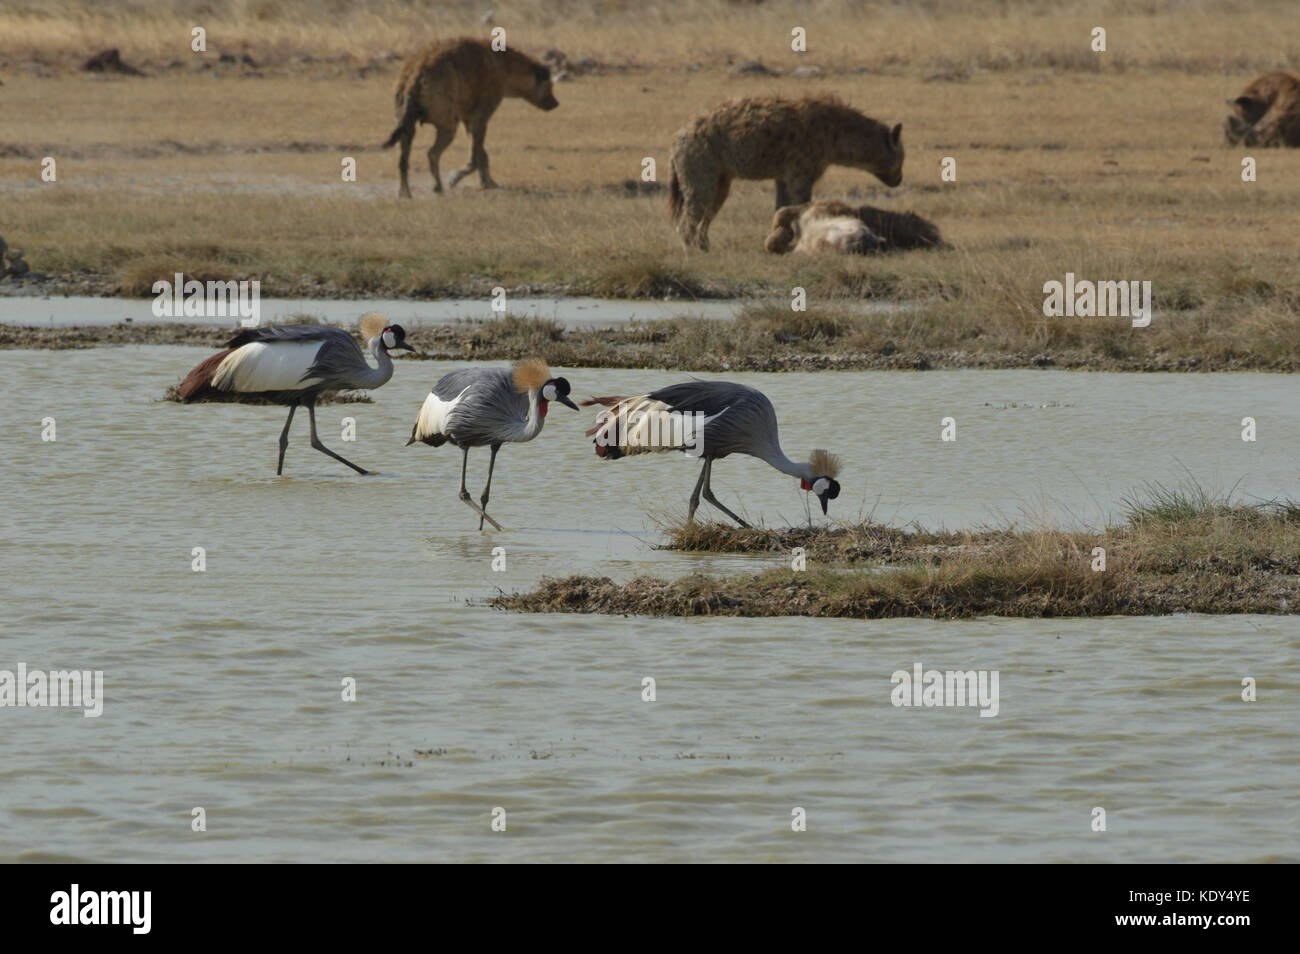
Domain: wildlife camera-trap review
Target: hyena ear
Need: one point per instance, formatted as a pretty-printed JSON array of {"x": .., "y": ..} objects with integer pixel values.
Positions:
[{"x": 896, "y": 134}]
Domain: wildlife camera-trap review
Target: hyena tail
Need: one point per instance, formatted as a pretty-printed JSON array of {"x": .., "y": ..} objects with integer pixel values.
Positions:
[
  {"x": 406, "y": 125},
  {"x": 675, "y": 198}
]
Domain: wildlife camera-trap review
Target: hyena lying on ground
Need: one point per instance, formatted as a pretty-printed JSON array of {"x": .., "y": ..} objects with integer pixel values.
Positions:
[
  {"x": 806, "y": 228},
  {"x": 795, "y": 230},
  {"x": 792, "y": 141},
  {"x": 461, "y": 81},
  {"x": 1267, "y": 113}
]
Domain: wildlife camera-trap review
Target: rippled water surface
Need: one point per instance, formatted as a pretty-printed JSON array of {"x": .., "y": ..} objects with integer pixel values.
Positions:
[{"x": 223, "y": 687}]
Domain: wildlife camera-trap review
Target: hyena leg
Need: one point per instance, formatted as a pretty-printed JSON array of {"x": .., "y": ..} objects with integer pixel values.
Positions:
[
  {"x": 719, "y": 197},
  {"x": 798, "y": 190},
  {"x": 697, "y": 200},
  {"x": 404, "y": 163},
  {"x": 782, "y": 195},
  {"x": 445, "y": 135},
  {"x": 479, "y": 153},
  {"x": 693, "y": 226},
  {"x": 476, "y": 126},
  {"x": 470, "y": 166}
]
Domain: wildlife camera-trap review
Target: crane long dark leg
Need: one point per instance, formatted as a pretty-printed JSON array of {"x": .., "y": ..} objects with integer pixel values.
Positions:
[
  {"x": 492, "y": 462},
  {"x": 695, "y": 494},
  {"x": 708, "y": 495},
  {"x": 284, "y": 440},
  {"x": 315, "y": 442},
  {"x": 464, "y": 494}
]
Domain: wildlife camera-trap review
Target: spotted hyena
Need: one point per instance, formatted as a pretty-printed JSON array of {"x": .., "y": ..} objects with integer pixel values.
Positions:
[
  {"x": 1267, "y": 113},
  {"x": 462, "y": 81},
  {"x": 805, "y": 227},
  {"x": 792, "y": 141}
]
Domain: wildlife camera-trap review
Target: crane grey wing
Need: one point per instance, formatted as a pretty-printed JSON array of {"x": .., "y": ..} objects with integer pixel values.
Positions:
[
  {"x": 287, "y": 333},
  {"x": 327, "y": 357},
  {"x": 337, "y": 360},
  {"x": 706, "y": 397},
  {"x": 737, "y": 418},
  {"x": 491, "y": 412},
  {"x": 473, "y": 407},
  {"x": 453, "y": 383}
]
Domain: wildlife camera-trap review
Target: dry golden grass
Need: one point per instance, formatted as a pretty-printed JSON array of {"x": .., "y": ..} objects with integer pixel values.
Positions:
[
  {"x": 1177, "y": 551},
  {"x": 1197, "y": 35},
  {"x": 1106, "y": 165}
]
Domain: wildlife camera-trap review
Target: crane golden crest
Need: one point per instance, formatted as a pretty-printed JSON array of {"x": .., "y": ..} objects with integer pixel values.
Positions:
[
  {"x": 372, "y": 323},
  {"x": 530, "y": 374},
  {"x": 824, "y": 463}
]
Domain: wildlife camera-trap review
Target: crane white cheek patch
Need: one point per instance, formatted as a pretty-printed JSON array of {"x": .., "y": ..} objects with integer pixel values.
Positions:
[
  {"x": 820, "y": 486},
  {"x": 390, "y": 340},
  {"x": 548, "y": 392}
]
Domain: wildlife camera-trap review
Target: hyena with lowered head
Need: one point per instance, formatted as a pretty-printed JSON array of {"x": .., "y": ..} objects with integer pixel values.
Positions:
[
  {"x": 793, "y": 141},
  {"x": 461, "y": 81},
  {"x": 1266, "y": 113}
]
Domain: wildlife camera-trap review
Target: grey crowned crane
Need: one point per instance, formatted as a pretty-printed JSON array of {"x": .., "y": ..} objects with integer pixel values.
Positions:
[
  {"x": 485, "y": 407},
  {"x": 711, "y": 419},
  {"x": 293, "y": 364}
]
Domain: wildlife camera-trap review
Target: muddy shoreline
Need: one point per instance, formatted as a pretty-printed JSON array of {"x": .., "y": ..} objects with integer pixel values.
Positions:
[
  {"x": 1177, "y": 552},
  {"x": 785, "y": 593},
  {"x": 669, "y": 344}
]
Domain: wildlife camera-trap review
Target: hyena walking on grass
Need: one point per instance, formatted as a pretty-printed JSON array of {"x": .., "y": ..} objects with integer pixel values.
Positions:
[
  {"x": 461, "y": 81},
  {"x": 793, "y": 141}
]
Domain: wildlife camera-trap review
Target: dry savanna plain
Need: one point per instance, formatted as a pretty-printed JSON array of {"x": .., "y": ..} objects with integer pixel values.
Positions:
[{"x": 1109, "y": 165}]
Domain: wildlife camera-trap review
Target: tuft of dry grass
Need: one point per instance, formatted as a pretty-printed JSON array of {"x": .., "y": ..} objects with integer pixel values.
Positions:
[
  {"x": 950, "y": 42},
  {"x": 766, "y": 337},
  {"x": 172, "y": 394},
  {"x": 1178, "y": 551}
]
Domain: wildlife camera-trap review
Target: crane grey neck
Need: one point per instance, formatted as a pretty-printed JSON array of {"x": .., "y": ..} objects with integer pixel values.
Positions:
[
  {"x": 773, "y": 454},
  {"x": 535, "y": 422},
  {"x": 376, "y": 377}
]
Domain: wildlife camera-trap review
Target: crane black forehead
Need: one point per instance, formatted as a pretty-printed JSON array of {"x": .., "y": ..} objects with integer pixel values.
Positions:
[
  {"x": 398, "y": 331},
  {"x": 561, "y": 385}
]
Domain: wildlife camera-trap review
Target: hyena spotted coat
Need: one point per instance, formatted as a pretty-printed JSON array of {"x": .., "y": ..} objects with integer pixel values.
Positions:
[
  {"x": 461, "y": 81},
  {"x": 793, "y": 141},
  {"x": 1267, "y": 113}
]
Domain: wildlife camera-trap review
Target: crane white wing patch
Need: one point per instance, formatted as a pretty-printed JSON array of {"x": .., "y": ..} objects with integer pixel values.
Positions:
[
  {"x": 435, "y": 415},
  {"x": 267, "y": 366},
  {"x": 641, "y": 425}
]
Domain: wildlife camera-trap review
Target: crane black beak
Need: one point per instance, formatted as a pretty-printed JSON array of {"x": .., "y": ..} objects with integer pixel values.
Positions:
[
  {"x": 824, "y": 501},
  {"x": 564, "y": 399}
]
